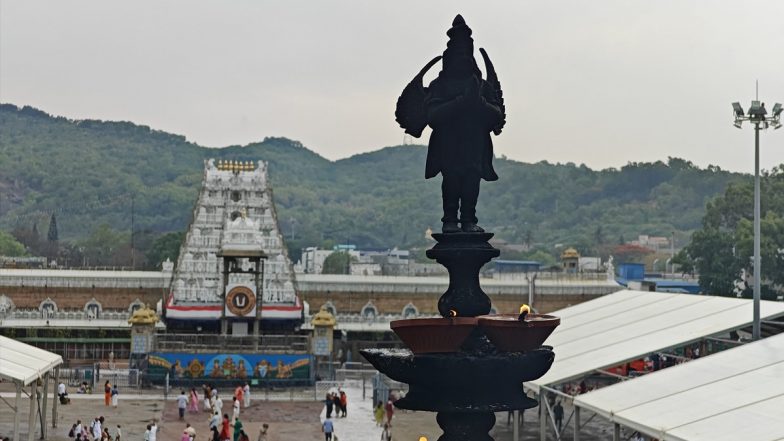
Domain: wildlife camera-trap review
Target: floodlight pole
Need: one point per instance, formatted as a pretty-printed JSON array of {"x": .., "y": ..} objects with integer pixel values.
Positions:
[{"x": 756, "y": 329}]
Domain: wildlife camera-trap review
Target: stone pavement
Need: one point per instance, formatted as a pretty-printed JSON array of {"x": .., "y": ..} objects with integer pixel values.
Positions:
[{"x": 288, "y": 420}]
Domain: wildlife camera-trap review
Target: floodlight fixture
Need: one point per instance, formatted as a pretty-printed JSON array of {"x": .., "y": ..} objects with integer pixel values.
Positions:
[
  {"x": 776, "y": 125},
  {"x": 776, "y": 110},
  {"x": 737, "y": 124},
  {"x": 738, "y": 110}
]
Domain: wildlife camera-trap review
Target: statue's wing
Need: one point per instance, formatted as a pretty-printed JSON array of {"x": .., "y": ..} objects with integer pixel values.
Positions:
[
  {"x": 410, "y": 112},
  {"x": 492, "y": 79}
]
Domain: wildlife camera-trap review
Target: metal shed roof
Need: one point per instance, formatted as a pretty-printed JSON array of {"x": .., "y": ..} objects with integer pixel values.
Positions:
[
  {"x": 628, "y": 325},
  {"x": 24, "y": 363},
  {"x": 732, "y": 395}
]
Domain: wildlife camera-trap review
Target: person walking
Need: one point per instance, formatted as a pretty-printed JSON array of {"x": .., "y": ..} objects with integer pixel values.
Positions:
[
  {"x": 118, "y": 434},
  {"x": 329, "y": 403},
  {"x": 236, "y": 408},
  {"x": 239, "y": 394},
  {"x": 147, "y": 433},
  {"x": 107, "y": 393},
  {"x": 246, "y": 394},
  {"x": 558, "y": 412},
  {"x": 263, "y": 432},
  {"x": 154, "y": 431},
  {"x": 215, "y": 421},
  {"x": 215, "y": 434},
  {"x": 191, "y": 431},
  {"x": 62, "y": 393},
  {"x": 336, "y": 402},
  {"x": 386, "y": 434},
  {"x": 343, "y": 402},
  {"x": 193, "y": 401},
  {"x": 115, "y": 396},
  {"x": 237, "y": 428},
  {"x": 182, "y": 404},
  {"x": 97, "y": 429},
  {"x": 390, "y": 410},
  {"x": 378, "y": 414},
  {"x": 225, "y": 434},
  {"x": 328, "y": 429}
]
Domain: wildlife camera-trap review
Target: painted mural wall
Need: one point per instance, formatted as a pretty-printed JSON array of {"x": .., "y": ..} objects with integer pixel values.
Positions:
[{"x": 231, "y": 366}]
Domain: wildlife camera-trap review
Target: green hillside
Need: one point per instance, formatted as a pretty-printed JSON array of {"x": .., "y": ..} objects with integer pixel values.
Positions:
[{"x": 89, "y": 173}]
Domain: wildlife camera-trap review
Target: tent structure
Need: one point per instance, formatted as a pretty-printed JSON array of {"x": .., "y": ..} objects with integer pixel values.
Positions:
[
  {"x": 25, "y": 366},
  {"x": 732, "y": 395},
  {"x": 630, "y": 325}
]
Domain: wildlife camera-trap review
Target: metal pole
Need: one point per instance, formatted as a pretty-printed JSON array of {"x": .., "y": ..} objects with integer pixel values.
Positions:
[
  {"x": 16, "y": 410},
  {"x": 616, "y": 432},
  {"x": 576, "y": 423},
  {"x": 56, "y": 399},
  {"x": 31, "y": 416},
  {"x": 516, "y": 428},
  {"x": 43, "y": 405},
  {"x": 757, "y": 263}
]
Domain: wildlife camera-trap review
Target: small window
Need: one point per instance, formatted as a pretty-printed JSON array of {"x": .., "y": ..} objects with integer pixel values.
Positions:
[
  {"x": 369, "y": 311},
  {"x": 236, "y": 196},
  {"x": 410, "y": 311}
]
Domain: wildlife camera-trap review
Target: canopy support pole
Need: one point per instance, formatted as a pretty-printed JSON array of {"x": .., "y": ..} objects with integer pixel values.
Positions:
[
  {"x": 56, "y": 399},
  {"x": 16, "y": 410},
  {"x": 43, "y": 405},
  {"x": 576, "y": 423},
  {"x": 616, "y": 432},
  {"x": 31, "y": 417},
  {"x": 516, "y": 428}
]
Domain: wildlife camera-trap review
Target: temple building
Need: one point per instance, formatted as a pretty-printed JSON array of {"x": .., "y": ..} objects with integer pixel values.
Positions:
[{"x": 233, "y": 251}]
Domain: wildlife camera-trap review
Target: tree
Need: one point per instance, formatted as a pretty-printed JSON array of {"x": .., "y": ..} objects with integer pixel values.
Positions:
[
  {"x": 166, "y": 246},
  {"x": 337, "y": 263},
  {"x": 722, "y": 250},
  {"x": 9, "y": 246},
  {"x": 52, "y": 235}
]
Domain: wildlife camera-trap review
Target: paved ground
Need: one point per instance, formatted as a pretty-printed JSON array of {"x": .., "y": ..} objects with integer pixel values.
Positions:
[{"x": 288, "y": 420}]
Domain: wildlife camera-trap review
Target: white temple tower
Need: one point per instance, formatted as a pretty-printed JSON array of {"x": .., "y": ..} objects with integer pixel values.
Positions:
[{"x": 233, "y": 251}]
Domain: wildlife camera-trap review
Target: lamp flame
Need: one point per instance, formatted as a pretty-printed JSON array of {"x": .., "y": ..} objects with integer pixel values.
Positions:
[
  {"x": 524, "y": 311},
  {"x": 452, "y": 313}
]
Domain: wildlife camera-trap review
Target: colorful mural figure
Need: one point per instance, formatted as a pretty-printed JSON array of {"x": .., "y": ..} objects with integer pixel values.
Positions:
[{"x": 232, "y": 366}]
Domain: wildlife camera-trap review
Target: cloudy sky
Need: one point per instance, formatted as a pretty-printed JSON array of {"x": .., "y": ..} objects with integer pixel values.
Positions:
[{"x": 595, "y": 82}]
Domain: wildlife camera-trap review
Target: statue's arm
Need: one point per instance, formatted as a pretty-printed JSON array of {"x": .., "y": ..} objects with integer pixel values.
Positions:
[
  {"x": 439, "y": 111},
  {"x": 492, "y": 111}
]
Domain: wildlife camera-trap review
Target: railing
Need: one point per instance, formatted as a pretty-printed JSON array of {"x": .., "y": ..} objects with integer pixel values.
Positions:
[{"x": 275, "y": 343}]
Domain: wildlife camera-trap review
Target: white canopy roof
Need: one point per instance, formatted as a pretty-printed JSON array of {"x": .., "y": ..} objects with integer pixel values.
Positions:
[
  {"x": 628, "y": 325},
  {"x": 24, "y": 363},
  {"x": 737, "y": 394}
]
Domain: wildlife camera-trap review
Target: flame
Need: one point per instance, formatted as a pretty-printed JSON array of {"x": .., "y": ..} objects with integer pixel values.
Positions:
[
  {"x": 422, "y": 438},
  {"x": 452, "y": 313},
  {"x": 525, "y": 308}
]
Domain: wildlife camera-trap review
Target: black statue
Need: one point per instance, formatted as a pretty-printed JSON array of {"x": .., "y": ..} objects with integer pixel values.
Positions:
[{"x": 462, "y": 109}]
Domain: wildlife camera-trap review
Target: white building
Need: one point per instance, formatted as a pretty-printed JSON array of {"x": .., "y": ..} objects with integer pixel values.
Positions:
[{"x": 234, "y": 216}]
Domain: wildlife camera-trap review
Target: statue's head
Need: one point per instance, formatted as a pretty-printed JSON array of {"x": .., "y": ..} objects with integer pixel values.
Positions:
[{"x": 458, "y": 58}]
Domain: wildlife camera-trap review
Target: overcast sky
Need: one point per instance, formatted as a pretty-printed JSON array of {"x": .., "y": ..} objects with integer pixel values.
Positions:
[{"x": 595, "y": 82}]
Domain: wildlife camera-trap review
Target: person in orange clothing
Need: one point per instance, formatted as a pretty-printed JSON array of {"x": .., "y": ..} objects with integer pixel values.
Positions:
[
  {"x": 239, "y": 393},
  {"x": 107, "y": 393}
]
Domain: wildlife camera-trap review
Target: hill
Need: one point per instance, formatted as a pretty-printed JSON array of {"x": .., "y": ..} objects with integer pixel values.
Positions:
[{"x": 90, "y": 173}]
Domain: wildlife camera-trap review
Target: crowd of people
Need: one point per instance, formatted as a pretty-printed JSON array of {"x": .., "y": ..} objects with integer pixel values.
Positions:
[
  {"x": 97, "y": 430},
  {"x": 338, "y": 401}
]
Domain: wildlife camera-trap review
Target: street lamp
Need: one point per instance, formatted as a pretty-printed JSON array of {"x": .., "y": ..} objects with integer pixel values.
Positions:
[{"x": 758, "y": 116}]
